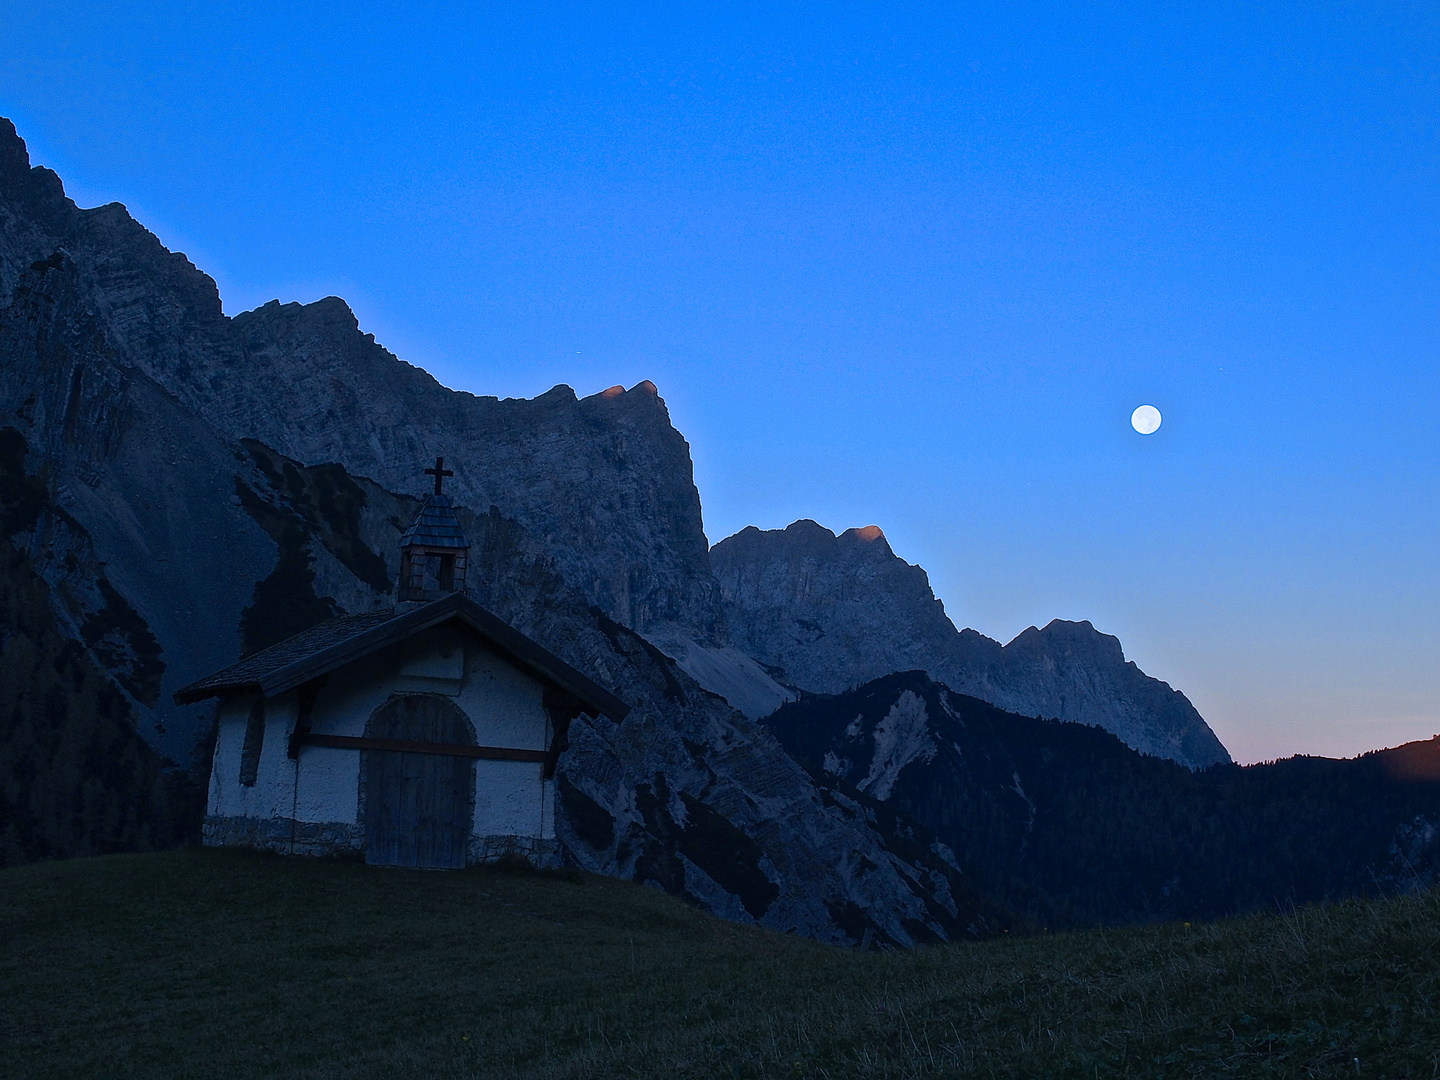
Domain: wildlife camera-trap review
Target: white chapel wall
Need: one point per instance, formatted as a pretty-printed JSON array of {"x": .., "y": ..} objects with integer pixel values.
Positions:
[
  {"x": 270, "y": 795},
  {"x": 503, "y": 703}
]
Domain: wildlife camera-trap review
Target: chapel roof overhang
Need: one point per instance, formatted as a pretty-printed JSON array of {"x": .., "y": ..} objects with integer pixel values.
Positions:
[{"x": 337, "y": 642}]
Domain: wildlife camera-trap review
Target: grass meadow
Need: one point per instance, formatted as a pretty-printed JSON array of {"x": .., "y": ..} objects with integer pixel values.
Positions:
[{"x": 221, "y": 964}]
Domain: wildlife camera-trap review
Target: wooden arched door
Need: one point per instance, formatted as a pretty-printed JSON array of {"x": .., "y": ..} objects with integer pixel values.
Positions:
[{"x": 419, "y": 807}]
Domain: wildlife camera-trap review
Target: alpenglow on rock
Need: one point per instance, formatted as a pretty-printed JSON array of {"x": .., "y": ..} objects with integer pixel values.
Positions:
[{"x": 825, "y": 613}]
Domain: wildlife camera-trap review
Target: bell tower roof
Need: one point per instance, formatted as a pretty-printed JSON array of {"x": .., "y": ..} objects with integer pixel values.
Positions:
[{"x": 435, "y": 526}]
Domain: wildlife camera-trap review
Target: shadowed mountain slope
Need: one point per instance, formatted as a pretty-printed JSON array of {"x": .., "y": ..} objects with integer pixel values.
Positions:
[
  {"x": 1066, "y": 824},
  {"x": 75, "y": 777}
]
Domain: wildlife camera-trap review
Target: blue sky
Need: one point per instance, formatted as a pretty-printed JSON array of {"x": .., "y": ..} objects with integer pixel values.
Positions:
[{"x": 903, "y": 265}]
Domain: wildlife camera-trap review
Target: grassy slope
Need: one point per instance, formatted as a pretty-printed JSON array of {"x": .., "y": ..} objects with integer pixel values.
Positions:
[{"x": 227, "y": 964}]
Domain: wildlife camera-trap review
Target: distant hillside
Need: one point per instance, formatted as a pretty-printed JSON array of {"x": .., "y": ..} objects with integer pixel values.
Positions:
[
  {"x": 1065, "y": 823},
  {"x": 826, "y": 613},
  {"x": 269, "y": 968}
]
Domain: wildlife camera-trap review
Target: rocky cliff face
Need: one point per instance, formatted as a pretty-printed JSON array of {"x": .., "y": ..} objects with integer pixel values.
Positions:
[
  {"x": 824, "y": 613},
  {"x": 691, "y": 796},
  {"x": 75, "y": 777},
  {"x": 139, "y": 534},
  {"x": 605, "y": 482}
]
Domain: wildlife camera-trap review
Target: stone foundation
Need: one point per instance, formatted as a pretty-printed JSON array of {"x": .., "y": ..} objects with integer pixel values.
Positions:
[
  {"x": 329, "y": 839},
  {"x": 317, "y": 839},
  {"x": 538, "y": 852}
]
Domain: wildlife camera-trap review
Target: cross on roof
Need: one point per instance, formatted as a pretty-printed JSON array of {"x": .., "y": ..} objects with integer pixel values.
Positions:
[{"x": 439, "y": 472}]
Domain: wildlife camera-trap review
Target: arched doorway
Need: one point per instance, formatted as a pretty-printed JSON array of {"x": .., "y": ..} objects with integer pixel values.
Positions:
[{"x": 419, "y": 806}]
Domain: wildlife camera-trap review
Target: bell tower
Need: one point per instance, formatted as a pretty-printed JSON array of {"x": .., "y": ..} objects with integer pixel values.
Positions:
[{"x": 434, "y": 551}]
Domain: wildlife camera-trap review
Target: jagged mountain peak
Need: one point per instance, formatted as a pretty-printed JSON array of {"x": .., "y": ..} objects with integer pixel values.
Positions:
[
  {"x": 867, "y": 533},
  {"x": 37, "y": 181},
  {"x": 36, "y": 213},
  {"x": 807, "y": 537},
  {"x": 825, "y": 613},
  {"x": 14, "y": 155},
  {"x": 605, "y": 483},
  {"x": 328, "y": 309},
  {"x": 1061, "y": 637},
  {"x": 644, "y": 387},
  {"x": 642, "y": 402}
]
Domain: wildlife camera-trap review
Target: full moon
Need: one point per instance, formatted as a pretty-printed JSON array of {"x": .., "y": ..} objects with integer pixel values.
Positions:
[{"x": 1146, "y": 419}]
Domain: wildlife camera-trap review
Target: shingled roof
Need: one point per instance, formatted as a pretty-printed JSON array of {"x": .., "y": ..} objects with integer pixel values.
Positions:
[
  {"x": 435, "y": 526},
  {"x": 337, "y": 642}
]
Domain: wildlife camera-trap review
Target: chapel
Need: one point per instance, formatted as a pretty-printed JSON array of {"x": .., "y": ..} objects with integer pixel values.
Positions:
[{"x": 423, "y": 735}]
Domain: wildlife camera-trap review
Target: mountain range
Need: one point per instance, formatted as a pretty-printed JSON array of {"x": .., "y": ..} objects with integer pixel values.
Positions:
[
  {"x": 183, "y": 487},
  {"x": 824, "y": 613},
  {"x": 105, "y": 331},
  {"x": 180, "y": 487}
]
